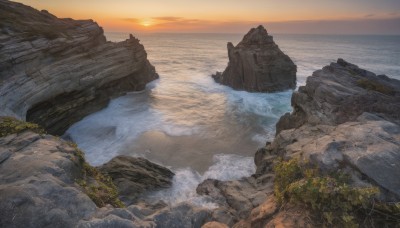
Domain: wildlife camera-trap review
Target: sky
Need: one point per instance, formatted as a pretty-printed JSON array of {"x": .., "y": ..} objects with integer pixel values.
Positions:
[{"x": 233, "y": 16}]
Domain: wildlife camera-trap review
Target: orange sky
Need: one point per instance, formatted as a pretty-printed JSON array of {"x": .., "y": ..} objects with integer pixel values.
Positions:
[{"x": 229, "y": 15}]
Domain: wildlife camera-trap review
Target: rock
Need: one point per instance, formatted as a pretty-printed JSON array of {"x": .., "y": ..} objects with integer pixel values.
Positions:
[
  {"x": 292, "y": 216},
  {"x": 236, "y": 198},
  {"x": 56, "y": 71},
  {"x": 263, "y": 212},
  {"x": 257, "y": 64},
  {"x": 214, "y": 225},
  {"x": 260, "y": 215},
  {"x": 134, "y": 176},
  {"x": 40, "y": 186},
  {"x": 109, "y": 221},
  {"x": 369, "y": 146},
  {"x": 341, "y": 92},
  {"x": 182, "y": 215},
  {"x": 345, "y": 118},
  {"x": 37, "y": 183}
]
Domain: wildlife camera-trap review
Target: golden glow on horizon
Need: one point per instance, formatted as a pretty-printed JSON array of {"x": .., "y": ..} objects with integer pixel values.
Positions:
[
  {"x": 146, "y": 22},
  {"x": 211, "y": 15}
]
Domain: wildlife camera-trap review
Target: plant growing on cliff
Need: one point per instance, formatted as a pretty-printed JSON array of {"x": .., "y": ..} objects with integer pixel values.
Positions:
[
  {"x": 331, "y": 197},
  {"x": 10, "y": 125},
  {"x": 96, "y": 185},
  {"x": 375, "y": 86}
]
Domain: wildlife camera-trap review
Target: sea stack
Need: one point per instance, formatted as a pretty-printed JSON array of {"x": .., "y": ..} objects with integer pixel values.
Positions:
[{"x": 257, "y": 64}]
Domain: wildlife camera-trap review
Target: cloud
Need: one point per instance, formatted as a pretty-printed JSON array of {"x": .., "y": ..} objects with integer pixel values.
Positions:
[
  {"x": 134, "y": 20},
  {"x": 168, "y": 19},
  {"x": 370, "y": 24}
]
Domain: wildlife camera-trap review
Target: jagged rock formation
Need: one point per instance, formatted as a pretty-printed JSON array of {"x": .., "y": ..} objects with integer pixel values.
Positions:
[
  {"x": 341, "y": 92},
  {"x": 345, "y": 118},
  {"x": 352, "y": 117},
  {"x": 56, "y": 71},
  {"x": 135, "y": 176},
  {"x": 257, "y": 64}
]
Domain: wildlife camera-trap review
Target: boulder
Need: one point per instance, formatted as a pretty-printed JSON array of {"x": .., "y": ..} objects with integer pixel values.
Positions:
[
  {"x": 134, "y": 176},
  {"x": 257, "y": 64},
  {"x": 236, "y": 198},
  {"x": 56, "y": 71}
]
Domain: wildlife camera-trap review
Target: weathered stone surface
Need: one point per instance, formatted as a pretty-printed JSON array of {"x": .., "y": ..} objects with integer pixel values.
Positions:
[
  {"x": 134, "y": 176},
  {"x": 236, "y": 198},
  {"x": 215, "y": 225},
  {"x": 56, "y": 71},
  {"x": 345, "y": 117},
  {"x": 260, "y": 215},
  {"x": 183, "y": 215},
  {"x": 257, "y": 64},
  {"x": 38, "y": 175},
  {"x": 37, "y": 183},
  {"x": 341, "y": 92}
]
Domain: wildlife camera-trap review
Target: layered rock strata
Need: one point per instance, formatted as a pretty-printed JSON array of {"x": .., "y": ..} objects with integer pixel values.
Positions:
[
  {"x": 56, "y": 71},
  {"x": 257, "y": 64}
]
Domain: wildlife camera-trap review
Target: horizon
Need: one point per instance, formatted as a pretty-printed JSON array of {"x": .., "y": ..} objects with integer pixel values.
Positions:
[{"x": 356, "y": 17}]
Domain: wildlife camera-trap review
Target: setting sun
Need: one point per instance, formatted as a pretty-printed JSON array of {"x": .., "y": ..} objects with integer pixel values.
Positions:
[{"x": 146, "y": 23}]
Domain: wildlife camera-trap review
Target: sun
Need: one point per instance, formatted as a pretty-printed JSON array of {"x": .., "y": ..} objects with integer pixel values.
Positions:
[{"x": 146, "y": 23}]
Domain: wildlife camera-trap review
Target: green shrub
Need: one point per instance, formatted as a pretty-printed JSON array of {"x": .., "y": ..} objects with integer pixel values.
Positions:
[
  {"x": 10, "y": 125},
  {"x": 331, "y": 197}
]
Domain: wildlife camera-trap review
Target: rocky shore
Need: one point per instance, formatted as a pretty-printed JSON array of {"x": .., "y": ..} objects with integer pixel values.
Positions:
[
  {"x": 334, "y": 162},
  {"x": 345, "y": 121},
  {"x": 56, "y": 71},
  {"x": 257, "y": 64}
]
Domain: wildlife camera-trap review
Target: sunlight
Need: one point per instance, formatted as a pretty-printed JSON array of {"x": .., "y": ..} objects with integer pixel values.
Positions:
[{"x": 146, "y": 23}]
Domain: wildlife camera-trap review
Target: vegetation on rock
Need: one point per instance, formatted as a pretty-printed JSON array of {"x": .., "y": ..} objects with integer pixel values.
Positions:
[
  {"x": 96, "y": 185},
  {"x": 375, "y": 86},
  {"x": 331, "y": 197},
  {"x": 10, "y": 125}
]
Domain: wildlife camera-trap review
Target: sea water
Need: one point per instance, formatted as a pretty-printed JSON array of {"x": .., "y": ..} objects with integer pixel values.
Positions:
[{"x": 200, "y": 129}]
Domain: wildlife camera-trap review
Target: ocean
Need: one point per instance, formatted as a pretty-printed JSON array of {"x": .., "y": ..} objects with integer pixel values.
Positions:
[{"x": 200, "y": 129}]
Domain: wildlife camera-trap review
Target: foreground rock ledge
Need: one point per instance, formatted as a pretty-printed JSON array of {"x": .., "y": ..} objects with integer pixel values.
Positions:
[
  {"x": 257, "y": 64},
  {"x": 56, "y": 71},
  {"x": 41, "y": 186}
]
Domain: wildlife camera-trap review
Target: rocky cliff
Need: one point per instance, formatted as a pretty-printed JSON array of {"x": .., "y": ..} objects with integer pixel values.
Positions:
[
  {"x": 56, "y": 71},
  {"x": 257, "y": 64},
  {"x": 335, "y": 158}
]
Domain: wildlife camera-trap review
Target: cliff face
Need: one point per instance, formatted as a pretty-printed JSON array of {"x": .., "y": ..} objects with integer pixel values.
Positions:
[
  {"x": 257, "y": 64},
  {"x": 56, "y": 71}
]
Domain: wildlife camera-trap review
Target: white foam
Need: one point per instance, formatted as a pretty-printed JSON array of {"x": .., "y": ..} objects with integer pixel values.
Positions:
[
  {"x": 102, "y": 134},
  {"x": 226, "y": 167}
]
